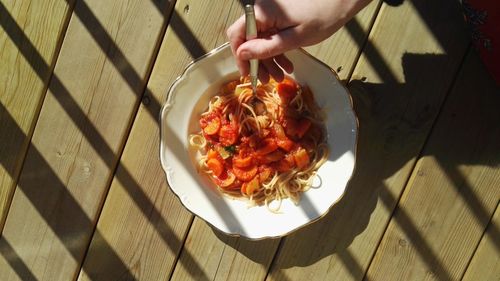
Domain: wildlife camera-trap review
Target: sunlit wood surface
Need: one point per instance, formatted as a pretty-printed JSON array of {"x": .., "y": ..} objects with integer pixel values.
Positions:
[{"x": 83, "y": 195}]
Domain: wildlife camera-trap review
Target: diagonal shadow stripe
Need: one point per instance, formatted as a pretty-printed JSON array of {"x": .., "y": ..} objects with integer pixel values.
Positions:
[
  {"x": 418, "y": 242},
  {"x": 375, "y": 59},
  {"x": 184, "y": 33},
  {"x": 349, "y": 261},
  {"x": 44, "y": 71},
  {"x": 136, "y": 83},
  {"x": 459, "y": 179},
  {"x": 17, "y": 35},
  {"x": 64, "y": 227},
  {"x": 472, "y": 201},
  {"x": 95, "y": 139},
  {"x": 84, "y": 124},
  {"x": 15, "y": 262},
  {"x": 128, "y": 73},
  {"x": 369, "y": 51}
]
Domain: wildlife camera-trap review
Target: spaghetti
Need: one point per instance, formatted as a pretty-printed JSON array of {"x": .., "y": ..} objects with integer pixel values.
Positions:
[{"x": 265, "y": 146}]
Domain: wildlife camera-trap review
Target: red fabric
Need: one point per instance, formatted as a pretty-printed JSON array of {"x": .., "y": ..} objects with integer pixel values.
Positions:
[{"x": 484, "y": 18}]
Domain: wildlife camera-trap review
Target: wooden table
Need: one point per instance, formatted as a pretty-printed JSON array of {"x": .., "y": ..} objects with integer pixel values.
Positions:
[{"x": 83, "y": 195}]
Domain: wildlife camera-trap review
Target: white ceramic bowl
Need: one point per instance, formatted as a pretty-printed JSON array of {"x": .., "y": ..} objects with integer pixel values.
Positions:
[{"x": 188, "y": 98}]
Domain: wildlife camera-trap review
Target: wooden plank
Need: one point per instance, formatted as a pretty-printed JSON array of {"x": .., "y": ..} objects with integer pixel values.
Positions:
[
  {"x": 396, "y": 106},
  {"x": 223, "y": 258},
  {"x": 453, "y": 190},
  {"x": 143, "y": 222},
  {"x": 29, "y": 42},
  {"x": 341, "y": 51},
  {"x": 485, "y": 264},
  {"x": 98, "y": 78},
  {"x": 199, "y": 250}
]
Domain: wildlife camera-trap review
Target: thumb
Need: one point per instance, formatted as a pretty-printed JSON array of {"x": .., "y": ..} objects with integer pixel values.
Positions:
[{"x": 271, "y": 46}]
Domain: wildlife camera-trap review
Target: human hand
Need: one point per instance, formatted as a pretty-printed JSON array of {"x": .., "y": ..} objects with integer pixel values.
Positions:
[{"x": 284, "y": 25}]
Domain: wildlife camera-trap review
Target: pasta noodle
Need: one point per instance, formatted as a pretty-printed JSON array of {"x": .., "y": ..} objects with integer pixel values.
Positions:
[{"x": 264, "y": 146}]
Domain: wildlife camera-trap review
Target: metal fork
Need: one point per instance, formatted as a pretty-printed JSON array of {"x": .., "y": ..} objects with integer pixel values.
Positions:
[{"x": 251, "y": 33}]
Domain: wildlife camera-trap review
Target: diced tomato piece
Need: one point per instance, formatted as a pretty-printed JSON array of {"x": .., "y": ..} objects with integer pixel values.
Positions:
[
  {"x": 264, "y": 173},
  {"x": 267, "y": 146},
  {"x": 285, "y": 144},
  {"x": 271, "y": 157},
  {"x": 242, "y": 162},
  {"x": 251, "y": 141},
  {"x": 250, "y": 187},
  {"x": 215, "y": 166},
  {"x": 211, "y": 140},
  {"x": 286, "y": 91},
  {"x": 295, "y": 127},
  {"x": 285, "y": 165},
  {"x": 281, "y": 139},
  {"x": 244, "y": 150},
  {"x": 226, "y": 182},
  {"x": 301, "y": 158},
  {"x": 245, "y": 174},
  {"x": 289, "y": 81},
  {"x": 282, "y": 166},
  {"x": 278, "y": 131},
  {"x": 228, "y": 134}
]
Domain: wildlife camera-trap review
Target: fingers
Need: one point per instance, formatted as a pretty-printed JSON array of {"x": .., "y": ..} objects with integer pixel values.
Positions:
[
  {"x": 273, "y": 69},
  {"x": 271, "y": 46},
  {"x": 268, "y": 50},
  {"x": 263, "y": 74},
  {"x": 236, "y": 36}
]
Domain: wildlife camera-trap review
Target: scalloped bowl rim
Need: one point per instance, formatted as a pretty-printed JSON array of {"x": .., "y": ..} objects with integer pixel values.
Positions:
[{"x": 178, "y": 116}]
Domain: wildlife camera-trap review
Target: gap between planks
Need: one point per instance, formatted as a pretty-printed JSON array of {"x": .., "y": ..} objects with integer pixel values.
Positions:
[
  {"x": 407, "y": 182},
  {"x": 167, "y": 14},
  {"x": 188, "y": 230},
  {"x": 390, "y": 78},
  {"x": 491, "y": 224},
  {"x": 67, "y": 18},
  {"x": 49, "y": 68},
  {"x": 347, "y": 80}
]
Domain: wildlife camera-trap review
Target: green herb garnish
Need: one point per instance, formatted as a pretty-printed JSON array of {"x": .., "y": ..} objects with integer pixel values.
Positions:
[{"x": 230, "y": 148}]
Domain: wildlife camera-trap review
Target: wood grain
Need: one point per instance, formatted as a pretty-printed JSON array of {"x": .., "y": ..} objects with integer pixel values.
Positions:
[
  {"x": 225, "y": 258},
  {"x": 439, "y": 229},
  {"x": 341, "y": 51},
  {"x": 453, "y": 190},
  {"x": 85, "y": 117},
  {"x": 485, "y": 264},
  {"x": 142, "y": 220},
  {"x": 29, "y": 40},
  {"x": 397, "y": 100}
]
